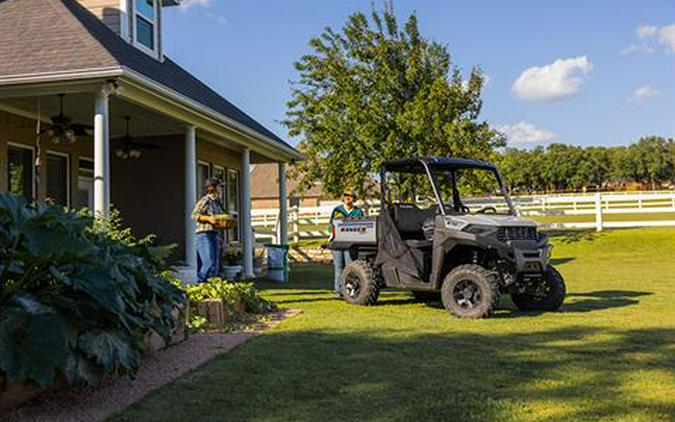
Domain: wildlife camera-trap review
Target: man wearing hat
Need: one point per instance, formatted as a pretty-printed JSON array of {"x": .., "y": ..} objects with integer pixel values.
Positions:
[
  {"x": 206, "y": 214},
  {"x": 341, "y": 259}
]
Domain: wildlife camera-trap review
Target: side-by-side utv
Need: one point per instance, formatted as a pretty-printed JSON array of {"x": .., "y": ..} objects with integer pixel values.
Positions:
[{"x": 447, "y": 225}]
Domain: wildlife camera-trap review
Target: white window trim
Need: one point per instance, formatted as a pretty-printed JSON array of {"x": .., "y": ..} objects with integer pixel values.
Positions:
[
  {"x": 155, "y": 29},
  {"x": 89, "y": 179},
  {"x": 236, "y": 213},
  {"x": 68, "y": 178},
  {"x": 34, "y": 170}
]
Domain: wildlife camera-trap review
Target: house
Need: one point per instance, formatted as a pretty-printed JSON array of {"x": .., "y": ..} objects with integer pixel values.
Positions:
[
  {"x": 265, "y": 190},
  {"x": 93, "y": 113}
]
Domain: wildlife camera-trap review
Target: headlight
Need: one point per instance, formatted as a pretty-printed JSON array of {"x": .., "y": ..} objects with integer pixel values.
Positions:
[{"x": 479, "y": 230}]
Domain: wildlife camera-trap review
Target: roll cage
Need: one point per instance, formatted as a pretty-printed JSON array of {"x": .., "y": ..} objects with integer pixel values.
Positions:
[{"x": 431, "y": 167}]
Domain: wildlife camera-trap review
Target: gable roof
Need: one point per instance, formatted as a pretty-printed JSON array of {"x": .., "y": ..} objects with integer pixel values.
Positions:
[
  {"x": 59, "y": 36},
  {"x": 265, "y": 184}
]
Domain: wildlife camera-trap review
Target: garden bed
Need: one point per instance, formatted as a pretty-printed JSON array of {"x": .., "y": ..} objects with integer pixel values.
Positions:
[{"x": 115, "y": 394}]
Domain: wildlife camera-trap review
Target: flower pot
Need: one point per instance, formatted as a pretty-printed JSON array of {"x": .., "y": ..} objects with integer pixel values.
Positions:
[{"x": 231, "y": 272}]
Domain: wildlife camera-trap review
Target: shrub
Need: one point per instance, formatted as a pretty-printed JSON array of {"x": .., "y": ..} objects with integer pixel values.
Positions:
[
  {"x": 231, "y": 294},
  {"x": 76, "y": 298}
]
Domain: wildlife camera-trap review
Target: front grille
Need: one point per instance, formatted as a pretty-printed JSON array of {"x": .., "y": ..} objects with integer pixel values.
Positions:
[{"x": 516, "y": 233}]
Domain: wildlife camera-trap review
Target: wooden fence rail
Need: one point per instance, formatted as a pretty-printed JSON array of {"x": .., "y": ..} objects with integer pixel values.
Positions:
[{"x": 313, "y": 222}]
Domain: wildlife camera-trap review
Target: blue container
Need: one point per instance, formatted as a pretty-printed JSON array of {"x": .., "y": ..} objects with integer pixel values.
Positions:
[{"x": 277, "y": 262}]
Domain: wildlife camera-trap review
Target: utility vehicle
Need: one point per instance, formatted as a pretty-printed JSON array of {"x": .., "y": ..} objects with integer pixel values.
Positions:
[{"x": 448, "y": 226}]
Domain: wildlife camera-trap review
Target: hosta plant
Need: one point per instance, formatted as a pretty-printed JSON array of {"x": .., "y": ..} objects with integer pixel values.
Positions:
[{"x": 76, "y": 298}]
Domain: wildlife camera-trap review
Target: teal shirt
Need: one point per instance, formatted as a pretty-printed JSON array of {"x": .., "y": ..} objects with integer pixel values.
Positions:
[{"x": 340, "y": 212}]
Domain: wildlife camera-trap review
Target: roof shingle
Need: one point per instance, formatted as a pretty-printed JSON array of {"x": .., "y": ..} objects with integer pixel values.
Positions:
[{"x": 51, "y": 36}]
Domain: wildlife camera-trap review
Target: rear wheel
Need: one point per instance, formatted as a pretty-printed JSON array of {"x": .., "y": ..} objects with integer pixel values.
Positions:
[
  {"x": 470, "y": 291},
  {"x": 360, "y": 283},
  {"x": 548, "y": 295}
]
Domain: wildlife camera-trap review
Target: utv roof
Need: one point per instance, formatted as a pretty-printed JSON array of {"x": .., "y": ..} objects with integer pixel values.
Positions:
[{"x": 415, "y": 165}]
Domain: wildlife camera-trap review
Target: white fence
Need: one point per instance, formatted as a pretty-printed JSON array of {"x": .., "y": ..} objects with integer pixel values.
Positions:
[{"x": 313, "y": 222}]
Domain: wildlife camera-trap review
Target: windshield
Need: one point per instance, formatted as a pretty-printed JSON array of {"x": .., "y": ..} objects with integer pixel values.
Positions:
[{"x": 471, "y": 190}]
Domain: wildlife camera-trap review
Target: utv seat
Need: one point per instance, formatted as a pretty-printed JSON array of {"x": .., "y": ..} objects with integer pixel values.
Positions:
[{"x": 410, "y": 219}]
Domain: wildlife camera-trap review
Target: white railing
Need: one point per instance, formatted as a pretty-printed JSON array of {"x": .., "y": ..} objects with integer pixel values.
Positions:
[{"x": 313, "y": 222}]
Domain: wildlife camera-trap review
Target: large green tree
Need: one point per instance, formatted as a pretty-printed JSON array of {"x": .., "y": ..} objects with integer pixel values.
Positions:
[{"x": 375, "y": 91}]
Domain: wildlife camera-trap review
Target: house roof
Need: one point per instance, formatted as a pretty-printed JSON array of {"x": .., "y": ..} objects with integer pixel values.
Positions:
[
  {"x": 59, "y": 36},
  {"x": 265, "y": 184}
]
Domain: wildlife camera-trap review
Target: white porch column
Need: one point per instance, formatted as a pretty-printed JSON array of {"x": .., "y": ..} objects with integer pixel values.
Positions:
[
  {"x": 245, "y": 213},
  {"x": 190, "y": 196},
  {"x": 282, "y": 236},
  {"x": 101, "y": 155}
]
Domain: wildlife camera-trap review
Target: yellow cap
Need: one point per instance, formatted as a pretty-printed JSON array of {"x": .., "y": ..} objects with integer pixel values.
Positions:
[{"x": 348, "y": 191}]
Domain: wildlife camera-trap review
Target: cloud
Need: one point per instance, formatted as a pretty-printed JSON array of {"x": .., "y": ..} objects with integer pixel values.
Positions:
[
  {"x": 637, "y": 48},
  {"x": 643, "y": 92},
  {"x": 216, "y": 17},
  {"x": 551, "y": 82},
  {"x": 186, "y": 4},
  {"x": 644, "y": 31},
  {"x": 650, "y": 34},
  {"x": 525, "y": 133},
  {"x": 667, "y": 37}
]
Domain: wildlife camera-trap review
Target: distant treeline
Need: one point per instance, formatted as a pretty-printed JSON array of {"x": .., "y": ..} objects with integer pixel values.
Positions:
[{"x": 649, "y": 163}]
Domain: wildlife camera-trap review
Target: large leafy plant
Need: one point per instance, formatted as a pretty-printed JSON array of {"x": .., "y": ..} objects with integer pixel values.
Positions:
[{"x": 76, "y": 298}]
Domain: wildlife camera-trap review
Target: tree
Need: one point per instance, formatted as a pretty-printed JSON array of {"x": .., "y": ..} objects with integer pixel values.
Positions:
[{"x": 373, "y": 92}]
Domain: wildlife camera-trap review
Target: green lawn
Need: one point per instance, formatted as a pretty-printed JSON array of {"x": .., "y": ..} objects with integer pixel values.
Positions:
[
  {"x": 609, "y": 354},
  {"x": 606, "y": 217}
]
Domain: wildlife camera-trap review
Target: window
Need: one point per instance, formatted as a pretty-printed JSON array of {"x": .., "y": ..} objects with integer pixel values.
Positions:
[
  {"x": 58, "y": 178},
  {"x": 85, "y": 184},
  {"x": 203, "y": 173},
  {"x": 145, "y": 19},
  {"x": 219, "y": 173},
  {"x": 233, "y": 203},
  {"x": 20, "y": 173}
]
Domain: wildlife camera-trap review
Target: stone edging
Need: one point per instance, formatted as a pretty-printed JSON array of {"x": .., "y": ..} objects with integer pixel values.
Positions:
[{"x": 90, "y": 404}]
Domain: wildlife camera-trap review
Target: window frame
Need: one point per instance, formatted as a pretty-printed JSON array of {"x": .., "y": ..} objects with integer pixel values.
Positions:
[
  {"x": 223, "y": 192},
  {"x": 237, "y": 213},
  {"x": 136, "y": 14},
  {"x": 33, "y": 168},
  {"x": 200, "y": 183},
  {"x": 85, "y": 177},
  {"x": 68, "y": 176}
]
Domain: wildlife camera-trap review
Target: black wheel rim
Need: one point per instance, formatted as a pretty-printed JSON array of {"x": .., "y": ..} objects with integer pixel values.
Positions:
[
  {"x": 467, "y": 294},
  {"x": 352, "y": 286}
]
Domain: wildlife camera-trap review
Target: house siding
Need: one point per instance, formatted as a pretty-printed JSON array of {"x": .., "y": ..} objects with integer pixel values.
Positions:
[
  {"x": 148, "y": 192},
  {"x": 106, "y": 10}
]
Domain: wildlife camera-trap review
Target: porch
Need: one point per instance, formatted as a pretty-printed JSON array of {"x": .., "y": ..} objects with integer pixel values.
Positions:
[{"x": 152, "y": 173}]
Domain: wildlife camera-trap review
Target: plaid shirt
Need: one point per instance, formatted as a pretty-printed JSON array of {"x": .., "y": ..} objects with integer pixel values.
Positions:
[{"x": 207, "y": 205}]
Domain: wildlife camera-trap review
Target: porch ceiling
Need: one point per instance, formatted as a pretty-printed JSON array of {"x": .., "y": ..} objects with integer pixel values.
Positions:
[{"x": 80, "y": 107}]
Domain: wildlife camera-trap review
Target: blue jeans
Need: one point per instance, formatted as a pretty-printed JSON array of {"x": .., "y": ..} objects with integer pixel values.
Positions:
[
  {"x": 208, "y": 256},
  {"x": 340, "y": 260}
]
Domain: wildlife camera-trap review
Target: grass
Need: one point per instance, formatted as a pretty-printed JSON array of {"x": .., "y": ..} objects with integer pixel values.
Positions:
[
  {"x": 608, "y": 355},
  {"x": 657, "y": 216}
]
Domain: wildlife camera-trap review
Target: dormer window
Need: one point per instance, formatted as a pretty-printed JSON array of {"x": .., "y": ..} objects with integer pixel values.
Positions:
[{"x": 146, "y": 32}]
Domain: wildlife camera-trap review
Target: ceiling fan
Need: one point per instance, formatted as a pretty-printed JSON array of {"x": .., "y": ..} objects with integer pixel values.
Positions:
[
  {"x": 127, "y": 147},
  {"x": 63, "y": 128}
]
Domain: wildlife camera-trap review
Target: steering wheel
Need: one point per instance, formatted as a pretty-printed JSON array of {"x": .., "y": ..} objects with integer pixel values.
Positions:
[{"x": 486, "y": 209}]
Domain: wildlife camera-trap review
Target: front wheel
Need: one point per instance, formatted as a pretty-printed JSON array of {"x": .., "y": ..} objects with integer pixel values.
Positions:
[
  {"x": 470, "y": 291},
  {"x": 360, "y": 283},
  {"x": 548, "y": 295}
]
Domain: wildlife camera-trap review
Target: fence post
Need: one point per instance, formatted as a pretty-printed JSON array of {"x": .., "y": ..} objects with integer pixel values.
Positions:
[
  {"x": 296, "y": 228},
  {"x": 598, "y": 212}
]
